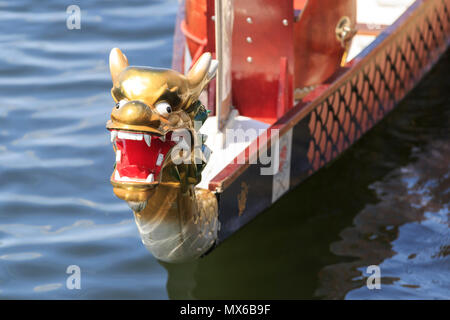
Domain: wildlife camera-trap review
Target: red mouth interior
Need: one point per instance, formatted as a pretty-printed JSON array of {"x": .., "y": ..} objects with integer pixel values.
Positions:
[{"x": 138, "y": 160}]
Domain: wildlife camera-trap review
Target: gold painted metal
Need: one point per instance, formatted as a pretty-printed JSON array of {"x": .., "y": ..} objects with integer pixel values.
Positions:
[
  {"x": 176, "y": 221},
  {"x": 344, "y": 34}
]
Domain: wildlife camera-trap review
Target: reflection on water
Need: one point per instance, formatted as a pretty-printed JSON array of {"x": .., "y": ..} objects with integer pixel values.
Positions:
[
  {"x": 56, "y": 203},
  {"x": 384, "y": 202},
  {"x": 406, "y": 233}
]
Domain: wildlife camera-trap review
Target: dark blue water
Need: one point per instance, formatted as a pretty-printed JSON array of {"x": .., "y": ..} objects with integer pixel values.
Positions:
[{"x": 384, "y": 202}]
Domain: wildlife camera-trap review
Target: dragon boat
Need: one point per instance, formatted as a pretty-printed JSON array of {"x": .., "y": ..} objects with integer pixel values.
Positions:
[{"x": 261, "y": 95}]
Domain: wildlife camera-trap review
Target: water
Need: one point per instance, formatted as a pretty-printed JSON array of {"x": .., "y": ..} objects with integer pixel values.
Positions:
[{"x": 384, "y": 202}]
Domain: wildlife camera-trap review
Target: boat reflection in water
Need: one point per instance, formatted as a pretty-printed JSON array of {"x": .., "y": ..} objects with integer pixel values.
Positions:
[
  {"x": 385, "y": 202},
  {"x": 404, "y": 233}
]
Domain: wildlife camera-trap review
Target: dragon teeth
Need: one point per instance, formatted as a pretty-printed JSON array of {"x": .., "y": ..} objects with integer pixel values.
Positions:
[
  {"x": 162, "y": 138},
  {"x": 130, "y": 136},
  {"x": 148, "y": 139},
  {"x": 113, "y": 135},
  {"x": 118, "y": 155},
  {"x": 117, "y": 177}
]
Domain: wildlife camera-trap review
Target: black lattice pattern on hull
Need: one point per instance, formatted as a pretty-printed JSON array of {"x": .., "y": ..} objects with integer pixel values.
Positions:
[{"x": 372, "y": 92}]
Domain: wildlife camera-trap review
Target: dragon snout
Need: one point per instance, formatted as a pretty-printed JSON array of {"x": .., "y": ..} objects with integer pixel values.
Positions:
[{"x": 135, "y": 113}]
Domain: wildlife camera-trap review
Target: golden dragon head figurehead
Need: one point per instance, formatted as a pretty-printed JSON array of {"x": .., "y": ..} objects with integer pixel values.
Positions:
[{"x": 155, "y": 113}]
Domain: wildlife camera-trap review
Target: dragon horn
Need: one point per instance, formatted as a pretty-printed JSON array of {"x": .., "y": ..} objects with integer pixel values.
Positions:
[
  {"x": 117, "y": 62},
  {"x": 203, "y": 71}
]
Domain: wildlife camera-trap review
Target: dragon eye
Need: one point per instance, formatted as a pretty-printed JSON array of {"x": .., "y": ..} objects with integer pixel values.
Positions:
[
  {"x": 121, "y": 103},
  {"x": 163, "y": 108}
]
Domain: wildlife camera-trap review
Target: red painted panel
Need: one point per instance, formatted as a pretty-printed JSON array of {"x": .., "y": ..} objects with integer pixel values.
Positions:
[
  {"x": 211, "y": 47},
  {"x": 196, "y": 26},
  {"x": 318, "y": 53},
  {"x": 256, "y": 83}
]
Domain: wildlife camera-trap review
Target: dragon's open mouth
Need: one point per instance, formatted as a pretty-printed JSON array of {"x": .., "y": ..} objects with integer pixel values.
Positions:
[{"x": 139, "y": 156}]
